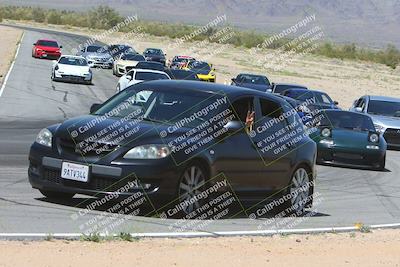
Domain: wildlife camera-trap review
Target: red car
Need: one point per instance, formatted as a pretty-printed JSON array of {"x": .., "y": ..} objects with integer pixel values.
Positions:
[{"x": 46, "y": 49}]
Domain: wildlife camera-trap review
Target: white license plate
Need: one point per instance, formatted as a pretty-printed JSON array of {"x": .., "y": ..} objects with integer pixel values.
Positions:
[{"x": 76, "y": 172}]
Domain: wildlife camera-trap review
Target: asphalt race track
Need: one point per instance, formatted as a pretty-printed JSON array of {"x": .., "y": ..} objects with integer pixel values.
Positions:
[{"x": 32, "y": 101}]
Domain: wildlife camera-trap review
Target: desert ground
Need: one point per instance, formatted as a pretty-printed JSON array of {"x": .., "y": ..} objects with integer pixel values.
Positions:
[
  {"x": 379, "y": 248},
  {"x": 9, "y": 41}
]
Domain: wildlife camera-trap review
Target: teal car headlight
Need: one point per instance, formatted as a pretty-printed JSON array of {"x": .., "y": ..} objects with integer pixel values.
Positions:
[
  {"x": 148, "y": 152},
  {"x": 374, "y": 138},
  {"x": 44, "y": 137},
  {"x": 326, "y": 132}
]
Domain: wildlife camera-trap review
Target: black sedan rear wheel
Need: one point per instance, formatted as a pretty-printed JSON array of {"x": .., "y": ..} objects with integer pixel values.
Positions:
[{"x": 299, "y": 192}]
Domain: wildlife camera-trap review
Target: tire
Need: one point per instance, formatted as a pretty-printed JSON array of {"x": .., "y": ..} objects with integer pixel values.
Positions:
[
  {"x": 53, "y": 77},
  {"x": 114, "y": 72},
  {"x": 382, "y": 164},
  {"x": 56, "y": 195},
  {"x": 300, "y": 191},
  {"x": 192, "y": 179},
  {"x": 118, "y": 88}
]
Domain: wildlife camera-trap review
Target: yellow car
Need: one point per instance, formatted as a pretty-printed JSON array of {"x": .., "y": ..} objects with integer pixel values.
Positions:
[{"x": 204, "y": 71}]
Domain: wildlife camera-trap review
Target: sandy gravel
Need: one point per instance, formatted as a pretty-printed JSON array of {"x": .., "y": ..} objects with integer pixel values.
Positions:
[
  {"x": 380, "y": 248},
  {"x": 9, "y": 41}
]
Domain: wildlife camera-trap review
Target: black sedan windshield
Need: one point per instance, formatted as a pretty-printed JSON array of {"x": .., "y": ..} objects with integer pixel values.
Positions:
[
  {"x": 199, "y": 65},
  {"x": 384, "y": 108},
  {"x": 154, "y": 51},
  {"x": 133, "y": 57},
  {"x": 95, "y": 49},
  {"x": 159, "y": 106},
  {"x": 304, "y": 95},
  {"x": 253, "y": 79},
  {"x": 347, "y": 120}
]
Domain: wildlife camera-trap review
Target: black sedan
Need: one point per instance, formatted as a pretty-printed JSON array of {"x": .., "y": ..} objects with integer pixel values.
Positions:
[
  {"x": 179, "y": 74},
  {"x": 171, "y": 139},
  {"x": 154, "y": 54},
  {"x": 252, "y": 81}
]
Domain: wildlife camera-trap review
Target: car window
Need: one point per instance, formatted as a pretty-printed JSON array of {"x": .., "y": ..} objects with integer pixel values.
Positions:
[
  {"x": 271, "y": 113},
  {"x": 166, "y": 106},
  {"x": 325, "y": 99},
  {"x": 149, "y": 65},
  {"x": 149, "y": 76},
  {"x": 270, "y": 109},
  {"x": 94, "y": 49},
  {"x": 47, "y": 43},
  {"x": 72, "y": 61},
  {"x": 242, "y": 107},
  {"x": 384, "y": 108},
  {"x": 347, "y": 120},
  {"x": 133, "y": 57}
]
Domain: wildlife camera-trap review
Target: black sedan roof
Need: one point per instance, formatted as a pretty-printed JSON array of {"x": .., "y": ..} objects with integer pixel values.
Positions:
[{"x": 211, "y": 88}]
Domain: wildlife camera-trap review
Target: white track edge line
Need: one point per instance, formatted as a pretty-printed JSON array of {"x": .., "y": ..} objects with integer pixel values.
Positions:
[
  {"x": 3, "y": 86},
  {"x": 208, "y": 234}
]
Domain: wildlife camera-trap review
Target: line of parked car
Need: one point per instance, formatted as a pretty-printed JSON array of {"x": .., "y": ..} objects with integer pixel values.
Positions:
[{"x": 252, "y": 112}]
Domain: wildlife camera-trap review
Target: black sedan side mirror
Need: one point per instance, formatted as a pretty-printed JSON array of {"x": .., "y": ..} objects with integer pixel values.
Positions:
[
  {"x": 94, "y": 107},
  {"x": 336, "y": 103},
  {"x": 233, "y": 126}
]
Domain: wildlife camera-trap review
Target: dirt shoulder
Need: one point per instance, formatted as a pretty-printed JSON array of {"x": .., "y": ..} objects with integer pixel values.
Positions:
[
  {"x": 10, "y": 38},
  {"x": 346, "y": 249}
]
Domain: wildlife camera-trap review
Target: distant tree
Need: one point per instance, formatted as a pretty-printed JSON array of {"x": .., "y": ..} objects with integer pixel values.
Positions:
[
  {"x": 103, "y": 17},
  {"x": 38, "y": 15},
  {"x": 53, "y": 17}
]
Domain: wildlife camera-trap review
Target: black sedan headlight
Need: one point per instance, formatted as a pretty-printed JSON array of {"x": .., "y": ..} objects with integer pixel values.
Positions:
[
  {"x": 44, "y": 137},
  {"x": 148, "y": 152}
]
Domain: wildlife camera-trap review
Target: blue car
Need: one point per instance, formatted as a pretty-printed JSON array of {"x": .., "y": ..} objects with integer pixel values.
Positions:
[{"x": 313, "y": 100}]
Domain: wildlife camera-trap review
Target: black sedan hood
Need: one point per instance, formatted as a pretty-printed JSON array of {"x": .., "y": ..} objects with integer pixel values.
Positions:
[{"x": 117, "y": 131}]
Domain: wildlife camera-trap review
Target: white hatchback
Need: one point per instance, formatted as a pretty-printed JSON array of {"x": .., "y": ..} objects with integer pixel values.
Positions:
[
  {"x": 71, "y": 69},
  {"x": 135, "y": 76}
]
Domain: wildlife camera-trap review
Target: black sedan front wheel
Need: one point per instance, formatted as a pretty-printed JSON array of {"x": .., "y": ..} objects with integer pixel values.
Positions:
[{"x": 192, "y": 180}]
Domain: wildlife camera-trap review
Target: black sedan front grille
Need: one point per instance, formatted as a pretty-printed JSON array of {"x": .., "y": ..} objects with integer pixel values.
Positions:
[
  {"x": 96, "y": 182},
  {"x": 392, "y": 136},
  {"x": 90, "y": 149},
  {"x": 52, "y": 176}
]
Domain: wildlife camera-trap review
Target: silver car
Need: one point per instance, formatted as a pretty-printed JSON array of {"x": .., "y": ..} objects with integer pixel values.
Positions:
[
  {"x": 97, "y": 56},
  {"x": 385, "y": 113}
]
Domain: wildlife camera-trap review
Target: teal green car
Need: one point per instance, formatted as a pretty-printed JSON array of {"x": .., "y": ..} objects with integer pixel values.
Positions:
[{"x": 348, "y": 139}]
